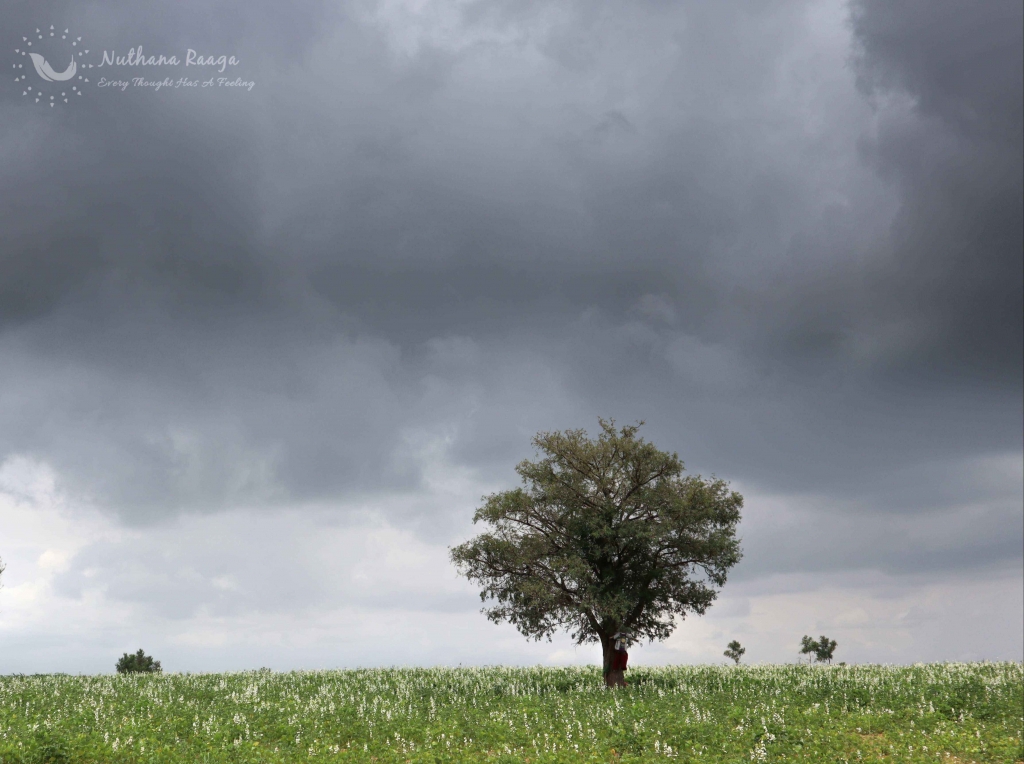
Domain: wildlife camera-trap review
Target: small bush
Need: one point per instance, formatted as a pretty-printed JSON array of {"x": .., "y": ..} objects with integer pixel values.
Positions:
[{"x": 140, "y": 663}]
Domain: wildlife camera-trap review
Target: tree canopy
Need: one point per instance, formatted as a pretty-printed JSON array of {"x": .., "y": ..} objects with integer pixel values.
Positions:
[
  {"x": 137, "y": 663},
  {"x": 822, "y": 649},
  {"x": 605, "y": 535},
  {"x": 734, "y": 651}
]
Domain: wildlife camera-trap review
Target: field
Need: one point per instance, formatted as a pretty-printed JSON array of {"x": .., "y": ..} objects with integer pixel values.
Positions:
[{"x": 954, "y": 713}]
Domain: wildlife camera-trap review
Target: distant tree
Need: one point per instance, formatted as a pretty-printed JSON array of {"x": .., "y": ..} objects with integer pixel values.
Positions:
[
  {"x": 139, "y": 663},
  {"x": 808, "y": 646},
  {"x": 735, "y": 651},
  {"x": 2, "y": 569},
  {"x": 606, "y": 536},
  {"x": 822, "y": 648},
  {"x": 826, "y": 649}
]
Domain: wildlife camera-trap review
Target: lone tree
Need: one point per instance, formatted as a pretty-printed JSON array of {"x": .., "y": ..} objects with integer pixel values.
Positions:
[
  {"x": 822, "y": 648},
  {"x": 607, "y": 536},
  {"x": 139, "y": 663},
  {"x": 734, "y": 651}
]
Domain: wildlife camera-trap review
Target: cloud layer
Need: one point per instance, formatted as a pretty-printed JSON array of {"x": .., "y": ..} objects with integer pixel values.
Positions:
[{"x": 330, "y": 312}]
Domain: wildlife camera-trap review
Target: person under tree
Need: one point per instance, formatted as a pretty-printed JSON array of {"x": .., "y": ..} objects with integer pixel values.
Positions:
[{"x": 616, "y": 665}]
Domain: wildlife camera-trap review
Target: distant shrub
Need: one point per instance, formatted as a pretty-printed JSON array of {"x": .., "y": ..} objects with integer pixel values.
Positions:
[{"x": 139, "y": 663}]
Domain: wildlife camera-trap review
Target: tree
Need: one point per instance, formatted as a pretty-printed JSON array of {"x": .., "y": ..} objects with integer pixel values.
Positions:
[
  {"x": 2, "y": 569},
  {"x": 823, "y": 648},
  {"x": 139, "y": 663},
  {"x": 735, "y": 651},
  {"x": 808, "y": 646},
  {"x": 826, "y": 648},
  {"x": 606, "y": 535}
]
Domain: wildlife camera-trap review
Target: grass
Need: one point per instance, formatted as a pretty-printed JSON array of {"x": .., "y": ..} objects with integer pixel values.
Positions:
[{"x": 953, "y": 713}]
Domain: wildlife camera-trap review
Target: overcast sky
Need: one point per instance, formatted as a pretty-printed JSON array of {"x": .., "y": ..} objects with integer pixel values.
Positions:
[{"x": 263, "y": 348}]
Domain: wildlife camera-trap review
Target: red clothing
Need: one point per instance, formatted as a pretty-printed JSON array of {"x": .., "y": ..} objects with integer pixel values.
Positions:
[{"x": 619, "y": 658}]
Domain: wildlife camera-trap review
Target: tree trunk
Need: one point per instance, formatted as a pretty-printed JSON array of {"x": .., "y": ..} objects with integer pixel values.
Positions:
[
  {"x": 607, "y": 646},
  {"x": 611, "y": 678}
]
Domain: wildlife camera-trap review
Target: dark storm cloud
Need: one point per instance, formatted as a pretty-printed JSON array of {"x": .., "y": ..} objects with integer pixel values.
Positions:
[
  {"x": 957, "y": 241},
  {"x": 961, "y": 67},
  {"x": 945, "y": 285},
  {"x": 687, "y": 214}
]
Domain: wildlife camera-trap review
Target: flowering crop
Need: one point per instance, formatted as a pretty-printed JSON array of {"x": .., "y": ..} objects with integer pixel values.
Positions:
[{"x": 924, "y": 713}]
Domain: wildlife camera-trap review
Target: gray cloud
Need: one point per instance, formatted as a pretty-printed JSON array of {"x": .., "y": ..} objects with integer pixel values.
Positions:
[
  {"x": 233, "y": 566},
  {"x": 895, "y": 529},
  {"x": 794, "y": 252}
]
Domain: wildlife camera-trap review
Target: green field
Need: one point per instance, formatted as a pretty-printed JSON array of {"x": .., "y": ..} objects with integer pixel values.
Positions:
[{"x": 924, "y": 713}]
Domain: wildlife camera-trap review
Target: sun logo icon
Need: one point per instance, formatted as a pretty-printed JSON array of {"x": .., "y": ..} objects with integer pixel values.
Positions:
[{"x": 49, "y": 85}]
